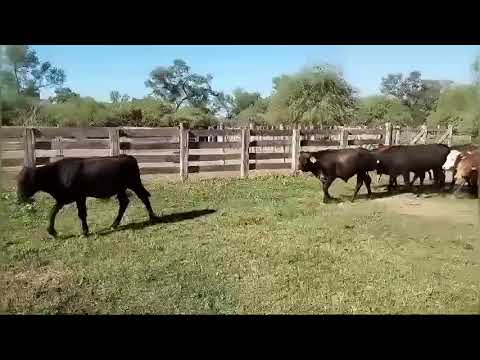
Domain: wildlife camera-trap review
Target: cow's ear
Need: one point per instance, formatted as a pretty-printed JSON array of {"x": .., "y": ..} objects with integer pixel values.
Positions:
[{"x": 312, "y": 159}]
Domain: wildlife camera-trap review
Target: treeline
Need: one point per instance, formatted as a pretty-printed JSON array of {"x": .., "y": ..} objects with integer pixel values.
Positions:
[{"x": 317, "y": 95}]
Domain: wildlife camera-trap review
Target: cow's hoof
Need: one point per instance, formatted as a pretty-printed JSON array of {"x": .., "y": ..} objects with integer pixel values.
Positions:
[
  {"x": 52, "y": 232},
  {"x": 154, "y": 218},
  {"x": 114, "y": 225}
]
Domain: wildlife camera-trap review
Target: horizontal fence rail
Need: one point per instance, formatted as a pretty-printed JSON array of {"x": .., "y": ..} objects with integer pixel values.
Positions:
[{"x": 177, "y": 150}]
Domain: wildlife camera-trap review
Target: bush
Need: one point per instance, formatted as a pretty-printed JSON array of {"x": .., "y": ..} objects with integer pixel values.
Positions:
[
  {"x": 76, "y": 112},
  {"x": 458, "y": 106}
]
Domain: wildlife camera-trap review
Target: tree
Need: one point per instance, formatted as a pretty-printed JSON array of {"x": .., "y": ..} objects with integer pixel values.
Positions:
[
  {"x": 376, "y": 110},
  {"x": 255, "y": 113},
  {"x": 233, "y": 105},
  {"x": 420, "y": 96},
  {"x": 63, "y": 95},
  {"x": 29, "y": 74},
  {"x": 476, "y": 71},
  {"x": 115, "y": 96},
  {"x": 458, "y": 106},
  {"x": 178, "y": 85},
  {"x": 316, "y": 95}
]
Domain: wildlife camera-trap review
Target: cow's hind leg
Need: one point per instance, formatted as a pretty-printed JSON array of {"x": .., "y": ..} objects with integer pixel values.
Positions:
[
  {"x": 123, "y": 203},
  {"x": 144, "y": 195},
  {"x": 82, "y": 214},
  {"x": 439, "y": 177},
  {"x": 367, "y": 180},
  {"x": 415, "y": 177},
  {"x": 406, "y": 179},
  {"x": 53, "y": 213},
  {"x": 360, "y": 180}
]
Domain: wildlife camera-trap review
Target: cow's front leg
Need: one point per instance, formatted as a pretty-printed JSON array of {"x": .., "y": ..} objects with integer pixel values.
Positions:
[
  {"x": 82, "y": 214},
  {"x": 326, "y": 182},
  {"x": 53, "y": 213}
]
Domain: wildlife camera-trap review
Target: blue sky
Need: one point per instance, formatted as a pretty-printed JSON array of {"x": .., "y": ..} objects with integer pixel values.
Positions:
[{"x": 96, "y": 70}]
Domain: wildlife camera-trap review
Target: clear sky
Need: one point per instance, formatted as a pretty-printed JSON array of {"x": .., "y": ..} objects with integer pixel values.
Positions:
[{"x": 96, "y": 70}]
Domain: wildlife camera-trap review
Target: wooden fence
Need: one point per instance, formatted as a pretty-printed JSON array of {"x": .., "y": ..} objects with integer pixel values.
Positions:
[{"x": 186, "y": 151}]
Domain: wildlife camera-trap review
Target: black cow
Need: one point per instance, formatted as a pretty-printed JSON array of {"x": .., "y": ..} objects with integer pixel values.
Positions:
[
  {"x": 327, "y": 165},
  {"x": 74, "y": 179},
  {"x": 393, "y": 180},
  {"x": 403, "y": 159}
]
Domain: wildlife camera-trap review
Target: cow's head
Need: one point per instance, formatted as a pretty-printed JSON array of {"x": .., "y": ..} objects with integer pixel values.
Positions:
[
  {"x": 451, "y": 160},
  {"x": 26, "y": 187},
  {"x": 306, "y": 162}
]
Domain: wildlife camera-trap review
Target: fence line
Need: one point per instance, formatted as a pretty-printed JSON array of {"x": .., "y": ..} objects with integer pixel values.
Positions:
[{"x": 241, "y": 149}]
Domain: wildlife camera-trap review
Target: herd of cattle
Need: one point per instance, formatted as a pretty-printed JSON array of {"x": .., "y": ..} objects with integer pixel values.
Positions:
[
  {"x": 393, "y": 161},
  {"x": 74, "y": 179}
]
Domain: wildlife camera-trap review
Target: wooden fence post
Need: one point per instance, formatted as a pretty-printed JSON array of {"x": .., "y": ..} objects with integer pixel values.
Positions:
[
  {"x": 397, "y": 135},
  {"x": 388, "y": 133},
  {"x": 424, "y": 134},
  {"x": 57, "y": 145},
  {"x": 183, "y": 140},
  {"x": 29, "y": 159},
  {"x": 295, "y": 149},
  {"x": 114, "y": 135},
  {"x": 343, "y": 138},
  {"x": 244, "y": 164},
  {"x": 450, "y": 137}
]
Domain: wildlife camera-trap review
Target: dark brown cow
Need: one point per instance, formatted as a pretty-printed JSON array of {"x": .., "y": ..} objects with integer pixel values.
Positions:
[
  {"x": 328, "y": 165},
  {"x": 74, "y": 179}
]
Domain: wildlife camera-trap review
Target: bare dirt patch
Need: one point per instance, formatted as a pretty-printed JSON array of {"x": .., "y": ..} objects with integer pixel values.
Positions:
[
  {"x": 24, "y": 288},
  {"x": 435, "y": 207}
]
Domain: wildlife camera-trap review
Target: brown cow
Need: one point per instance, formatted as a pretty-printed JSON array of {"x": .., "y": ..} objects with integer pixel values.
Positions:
[{"x": 467, "y": 170}]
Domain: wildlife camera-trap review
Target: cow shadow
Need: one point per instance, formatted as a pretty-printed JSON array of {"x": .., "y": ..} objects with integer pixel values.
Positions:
[
  {"x": 418, "y": 190},
  {"x": 165, "y": 219},
  {"x": 172, "y": 218}
]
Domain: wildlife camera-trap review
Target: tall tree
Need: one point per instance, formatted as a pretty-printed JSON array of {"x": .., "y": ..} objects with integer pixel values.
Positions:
[
  {"x": 316, "y": 95},
  {"x": 62, "y": 95},
  {"x": 115, "y": 96},
  {"x": 476, "y": 71},
  {"x": 29, "y": 74},
  {"x": 178, "y": 85},
  {"x": 232, "y": 105},
  {"x": 420, "y": 96}
]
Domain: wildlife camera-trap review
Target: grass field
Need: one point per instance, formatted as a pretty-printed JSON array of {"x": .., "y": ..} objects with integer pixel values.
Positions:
[{"x": 267, "y": 245}]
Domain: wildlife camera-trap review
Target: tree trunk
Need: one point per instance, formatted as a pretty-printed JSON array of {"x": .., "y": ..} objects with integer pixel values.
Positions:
[{"x": 16, "y": 78}]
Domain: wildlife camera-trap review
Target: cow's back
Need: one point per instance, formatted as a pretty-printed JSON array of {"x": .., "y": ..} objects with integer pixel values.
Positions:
[
  {"x": 414, "y": 157},
  {"x": 96, "y": 176}
]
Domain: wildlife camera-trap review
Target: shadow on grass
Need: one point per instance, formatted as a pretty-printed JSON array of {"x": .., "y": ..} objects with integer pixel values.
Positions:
[
  {"x": 172, "y": 218},
  {"x": 418, "y": 190}
]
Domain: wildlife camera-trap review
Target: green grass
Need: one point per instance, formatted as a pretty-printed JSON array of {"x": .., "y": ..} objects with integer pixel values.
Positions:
[{"x": 272, "y": 246}]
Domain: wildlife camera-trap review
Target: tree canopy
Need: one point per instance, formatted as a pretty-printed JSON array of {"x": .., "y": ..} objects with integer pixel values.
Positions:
[
  {"x": 177, "y": 84},
  {"x": 23, "y": 70},
  {"x": 316, "y": 95}
]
